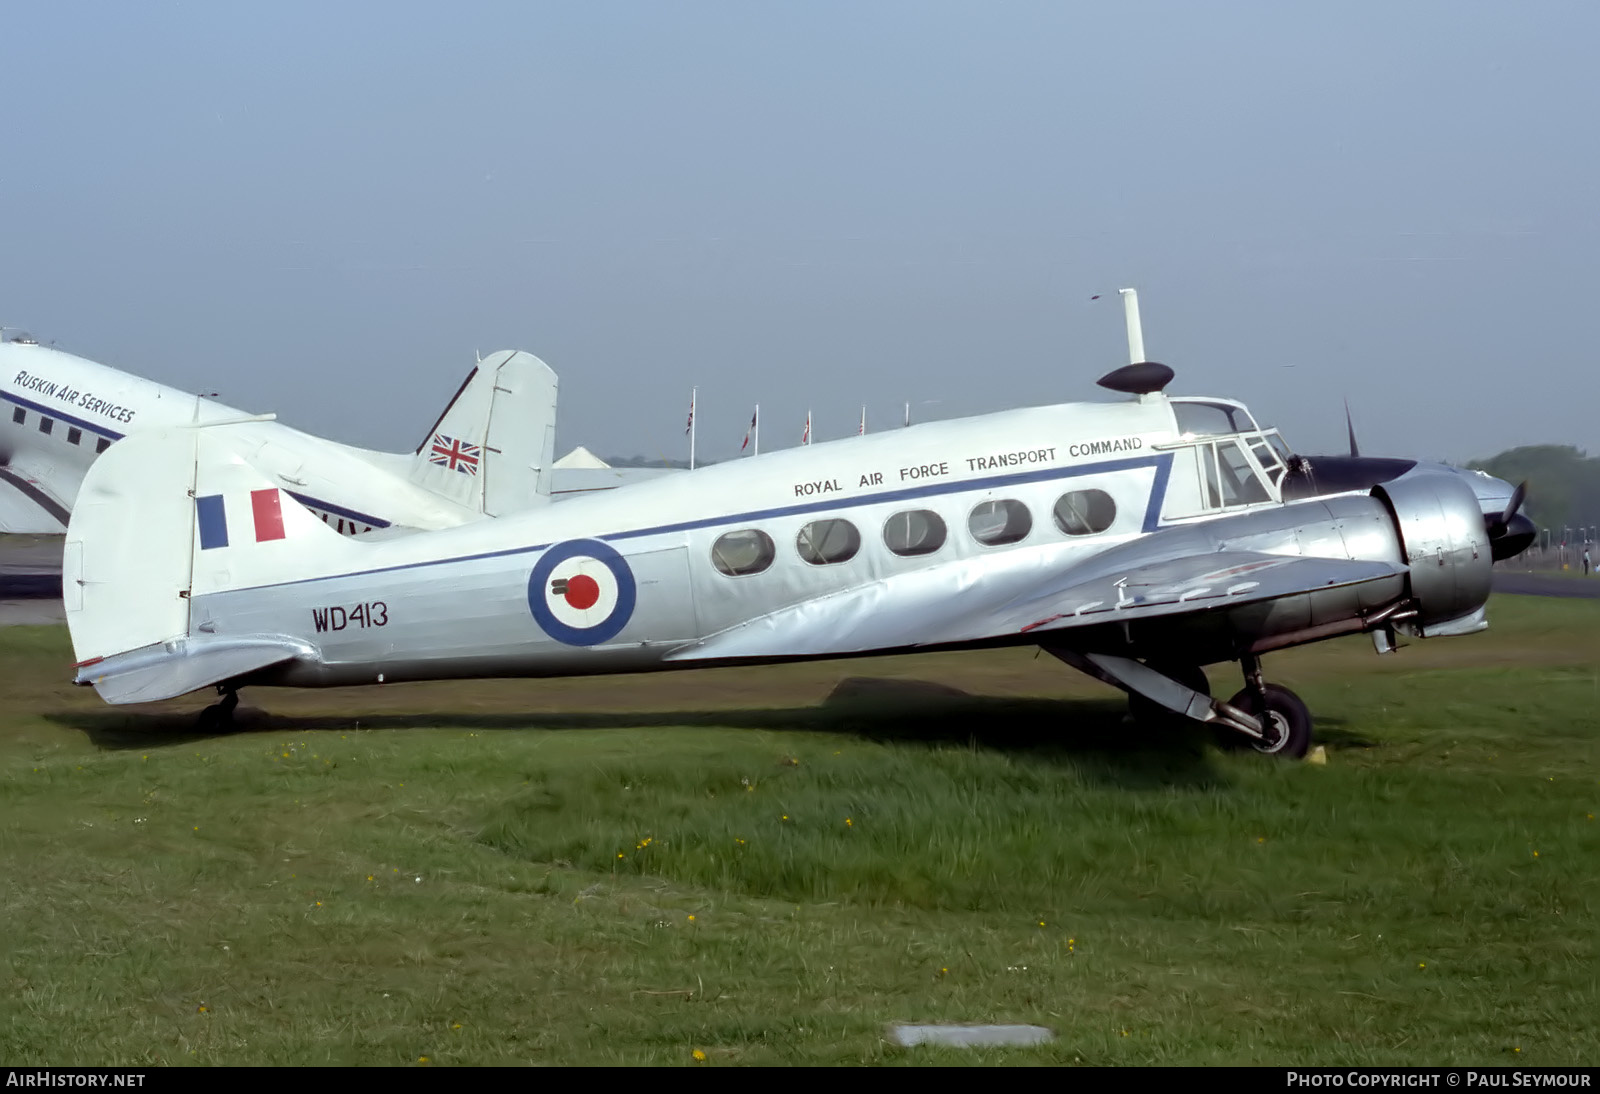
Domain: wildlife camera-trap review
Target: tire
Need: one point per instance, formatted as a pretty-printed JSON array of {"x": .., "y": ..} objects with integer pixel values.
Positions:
[
  {"x": 1287, "y": 720},
  {"x": 1146, "y": 712}
]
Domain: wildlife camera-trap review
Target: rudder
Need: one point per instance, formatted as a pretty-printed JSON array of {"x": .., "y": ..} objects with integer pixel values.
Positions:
[{"x": 493, "y": 447}]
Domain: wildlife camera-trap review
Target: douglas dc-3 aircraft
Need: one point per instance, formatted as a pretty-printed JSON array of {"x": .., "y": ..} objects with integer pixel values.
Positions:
[
  {"x": 1136, "y": 540},
  {"x": 490, "y": 452}
]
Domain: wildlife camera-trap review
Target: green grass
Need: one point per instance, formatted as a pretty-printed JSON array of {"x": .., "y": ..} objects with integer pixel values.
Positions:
[{"x": 627, "y": 870}]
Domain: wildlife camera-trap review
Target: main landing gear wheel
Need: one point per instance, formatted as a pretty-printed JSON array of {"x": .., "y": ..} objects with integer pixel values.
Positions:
[
  {"x": 1148, "y": 713},
  {"x": 218, "y": 717},
  {"x": 1285, "y": 721}
]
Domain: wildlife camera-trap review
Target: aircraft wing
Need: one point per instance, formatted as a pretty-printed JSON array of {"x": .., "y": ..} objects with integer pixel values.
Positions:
[{"x": 977, "y": 599}]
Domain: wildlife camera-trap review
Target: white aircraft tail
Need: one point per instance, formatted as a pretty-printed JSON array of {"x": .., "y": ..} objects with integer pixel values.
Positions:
[
  {"x": 164, "y": 516},
  {"x": 493, "y": 447}
]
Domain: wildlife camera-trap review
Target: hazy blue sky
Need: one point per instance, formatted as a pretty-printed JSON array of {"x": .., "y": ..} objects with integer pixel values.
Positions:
[{"x": 324, "y": 209}]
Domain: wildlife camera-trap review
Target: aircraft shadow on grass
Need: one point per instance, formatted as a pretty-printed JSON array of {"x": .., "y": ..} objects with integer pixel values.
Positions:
[{"x": 1092, "y": 735}]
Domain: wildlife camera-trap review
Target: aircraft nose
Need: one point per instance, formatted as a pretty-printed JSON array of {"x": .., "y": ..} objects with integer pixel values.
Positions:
[
  {"x": 1494, "y": 494},
  {"x": 1510, "y": 530}
]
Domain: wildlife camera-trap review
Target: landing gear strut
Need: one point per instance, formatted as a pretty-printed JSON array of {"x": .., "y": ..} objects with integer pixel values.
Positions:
[
  {"x": 218, "y": 717},
  {"x": 1285, "y": 720},
  {"x": 1269, "y": 718},
  {"x": 1150, "y": 714}
]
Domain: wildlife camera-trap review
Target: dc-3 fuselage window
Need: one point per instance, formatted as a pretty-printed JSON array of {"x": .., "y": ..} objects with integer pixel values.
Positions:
[
  {"x": 101, "y": 445},
  {"x": 748, "y": 551},
  {"x": 19, "y": 415},
  {"x": 1085, "y": 512},
  {"x": 994, "y": 523},
  {"x": 46, "y": 425},
  {"x": 827, "y": 541},
  {"x": 914, "y": 532}
]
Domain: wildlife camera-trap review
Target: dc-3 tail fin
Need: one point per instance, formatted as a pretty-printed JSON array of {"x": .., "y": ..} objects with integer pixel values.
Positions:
[
  {"x": 166, "y": 516},
  {"x": 493, "y": 447}
]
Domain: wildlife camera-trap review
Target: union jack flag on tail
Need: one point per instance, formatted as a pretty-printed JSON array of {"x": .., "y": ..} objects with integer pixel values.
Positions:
[
  {"x": 454, "y": 454},
  {"x": 805, "y": 438}
]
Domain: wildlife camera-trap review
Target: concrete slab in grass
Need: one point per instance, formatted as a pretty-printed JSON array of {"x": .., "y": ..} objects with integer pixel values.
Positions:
[{"x": 968, "y": 1036}]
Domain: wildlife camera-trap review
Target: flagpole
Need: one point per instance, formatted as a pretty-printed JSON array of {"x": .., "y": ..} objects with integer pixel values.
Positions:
[
  {"x": 757, "y": 416},
  {"x": 862, "y": 432},
  {"x": 908, "y": 414},
  {"x": 694, "y": 391}
]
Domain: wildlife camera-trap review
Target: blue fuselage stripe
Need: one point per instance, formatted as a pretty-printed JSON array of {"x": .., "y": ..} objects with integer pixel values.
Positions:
[
  {"x": 910, "y": 493},
  {"x": 337, "y": 510},
  {"x": 1161, "y": 463},
  {"x": 52, "y": 412}
]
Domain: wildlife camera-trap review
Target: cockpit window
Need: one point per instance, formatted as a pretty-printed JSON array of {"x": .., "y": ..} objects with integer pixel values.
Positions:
[
  {"x": 1240, "y": 486},
  {"x": 1279, "y": 446},
  {"x": 1266, "y": 455},
  {"x": 1200, "y": 419}
]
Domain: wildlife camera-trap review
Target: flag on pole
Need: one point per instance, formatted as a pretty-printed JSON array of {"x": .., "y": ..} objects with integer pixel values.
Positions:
[
  {"x": 805, "y": 438},
  {"x": 749, "y": 431},
  {"x": 693, "y": 392},
  {"x": 862, "y": 432}
]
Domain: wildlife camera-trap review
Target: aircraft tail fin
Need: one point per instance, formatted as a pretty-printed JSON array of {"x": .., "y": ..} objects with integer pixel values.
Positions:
[
  {"x": 165, "y": 516},
  {"x": 493, "y": 447}
]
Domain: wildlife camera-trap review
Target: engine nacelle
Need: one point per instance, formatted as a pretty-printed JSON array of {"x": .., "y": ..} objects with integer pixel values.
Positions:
[{"x": 1443, "y": 541}]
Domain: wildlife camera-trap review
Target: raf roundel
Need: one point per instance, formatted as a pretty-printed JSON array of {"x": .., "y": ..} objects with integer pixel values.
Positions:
[{"x": 582, "y": 592}]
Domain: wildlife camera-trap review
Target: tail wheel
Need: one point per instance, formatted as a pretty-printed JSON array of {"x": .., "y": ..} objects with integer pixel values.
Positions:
[
  {"x": 1285, "y": 721},
  {"x": 1146, "y": 712}
]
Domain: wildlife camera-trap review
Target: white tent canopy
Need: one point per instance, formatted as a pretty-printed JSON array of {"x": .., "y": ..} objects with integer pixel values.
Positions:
[{"x": 581, "y": 457}]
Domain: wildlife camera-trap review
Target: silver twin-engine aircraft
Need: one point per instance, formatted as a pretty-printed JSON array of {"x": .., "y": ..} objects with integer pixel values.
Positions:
[
  {"x": 491, "y": 451},
  {"x": 1136, "y": 540}
]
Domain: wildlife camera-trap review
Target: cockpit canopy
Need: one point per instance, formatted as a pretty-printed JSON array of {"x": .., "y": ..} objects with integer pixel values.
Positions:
[{"x": 1222, "y": 459}]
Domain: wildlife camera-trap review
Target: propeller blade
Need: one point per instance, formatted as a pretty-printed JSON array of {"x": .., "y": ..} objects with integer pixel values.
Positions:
[
  {"x": 1518, "y": 496},
  {"x": 1350, "y": 427}
]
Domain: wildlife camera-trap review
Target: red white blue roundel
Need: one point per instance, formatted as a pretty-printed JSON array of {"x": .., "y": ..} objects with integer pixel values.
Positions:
[{"x": 582, "y": 592}]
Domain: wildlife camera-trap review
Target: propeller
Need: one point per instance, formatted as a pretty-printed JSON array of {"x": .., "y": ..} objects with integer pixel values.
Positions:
[
  {"x": 1518, "y": 496},
  {"x": 1350, "y": 427},
  {"x": 1510, "y": 533}
]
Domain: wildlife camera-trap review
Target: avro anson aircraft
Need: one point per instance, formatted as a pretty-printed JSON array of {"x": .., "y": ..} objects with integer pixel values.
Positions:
[
  {"x": 490, "y": 453},
  {"x": 1136, "y": 540}
]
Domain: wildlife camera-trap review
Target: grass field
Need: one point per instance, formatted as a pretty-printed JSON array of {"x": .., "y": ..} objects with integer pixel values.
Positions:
[{"x": 730, "y": 863}]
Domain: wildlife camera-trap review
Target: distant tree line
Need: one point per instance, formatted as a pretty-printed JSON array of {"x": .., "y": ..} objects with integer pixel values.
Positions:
[
  {"x": 1563, "y": 483},
  {"x": 649, "y": 461}
]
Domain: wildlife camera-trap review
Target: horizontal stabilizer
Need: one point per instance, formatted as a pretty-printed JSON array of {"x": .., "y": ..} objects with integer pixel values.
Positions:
[
  {"x": 1026, "y": 592},
  {"x": 166, "y": 515},
  {"x": 174, "y": 668}
]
